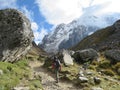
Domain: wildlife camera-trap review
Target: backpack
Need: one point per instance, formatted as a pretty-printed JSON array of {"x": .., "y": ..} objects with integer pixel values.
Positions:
[{"x": 57, "y": 63}]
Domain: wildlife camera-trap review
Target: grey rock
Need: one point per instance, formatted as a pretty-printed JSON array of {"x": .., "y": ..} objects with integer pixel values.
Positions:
[
  {"x": 81, "y": 73},
  {"x": 85, "y": 55},
  {"x": 89, "y": 73},
  {"x": 21, "y": 88},
  {"x": 83, "y": 79},
  {"x": 97, "y": 80},
  {"x": 96, "y": 88},
  {"x": 113, "y": 55},
  {"x": 16, "y": 35},
  {"x": 1, "y": 72}
]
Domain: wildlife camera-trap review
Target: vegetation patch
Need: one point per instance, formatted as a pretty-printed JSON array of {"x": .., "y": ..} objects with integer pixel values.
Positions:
[
  {"x": 104, "y": 64},
  {"x": 116, "y": 68},
  {"x": 70, "y": 72},
  {"x": 13, "y": 73},
  {"x": 48, "y": 62},
  {"x": 92, "y": 67},
  {"x": 35, "y": 85},
  {"x": 108, "y": 72}
]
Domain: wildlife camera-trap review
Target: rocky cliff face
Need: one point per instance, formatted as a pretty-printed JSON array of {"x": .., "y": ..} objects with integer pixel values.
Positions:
[{"x": 16, "y": 35}]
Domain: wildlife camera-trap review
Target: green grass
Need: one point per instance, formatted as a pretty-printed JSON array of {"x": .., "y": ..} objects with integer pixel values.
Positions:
[
  {"x": 70, "y": 72},
  {"x": 35, "y": 85},
  {"x": 108, "y": 72},
  {"x": 13, "y": 73},
  {"x": 104, "y": 64}
]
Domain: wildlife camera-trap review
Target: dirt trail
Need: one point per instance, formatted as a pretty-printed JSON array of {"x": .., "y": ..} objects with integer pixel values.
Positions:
[{"x": 48, "y": 81}]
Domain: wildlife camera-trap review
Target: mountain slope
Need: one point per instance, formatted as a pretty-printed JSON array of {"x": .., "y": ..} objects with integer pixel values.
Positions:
[
  {"x": 107, "y": 38},
  {"x": 35, "y": 50},
  {"x": 65, "y": 36}
]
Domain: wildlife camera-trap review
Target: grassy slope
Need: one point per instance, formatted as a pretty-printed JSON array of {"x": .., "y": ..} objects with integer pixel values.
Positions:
[
  {"x": 19, "y": 72},
  {"x": 95, "y": 38},
  {"x": 14, "y": 74}
]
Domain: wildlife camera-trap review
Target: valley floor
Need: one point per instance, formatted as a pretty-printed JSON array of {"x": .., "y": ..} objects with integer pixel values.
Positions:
[{"x": 48, "y": 81}]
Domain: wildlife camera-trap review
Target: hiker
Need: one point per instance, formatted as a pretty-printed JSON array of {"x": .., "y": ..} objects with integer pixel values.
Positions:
[{"x": 57, "y": 67}]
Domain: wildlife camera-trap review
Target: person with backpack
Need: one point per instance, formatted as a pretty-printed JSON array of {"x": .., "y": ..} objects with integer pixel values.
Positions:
[{"x": 57, "y": 67}]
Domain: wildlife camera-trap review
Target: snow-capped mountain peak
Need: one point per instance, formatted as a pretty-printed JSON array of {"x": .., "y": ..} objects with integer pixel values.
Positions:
[{"x": 68, "y": 35}]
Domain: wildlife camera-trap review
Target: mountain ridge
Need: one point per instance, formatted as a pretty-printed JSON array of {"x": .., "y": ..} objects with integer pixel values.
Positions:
[
  {"x": 65, "y": 36},
  {"x": 104, "y": 39}
]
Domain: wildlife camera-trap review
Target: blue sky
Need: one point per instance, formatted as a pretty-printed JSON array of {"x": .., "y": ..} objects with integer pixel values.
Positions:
[{"x": 46, "y": 14}]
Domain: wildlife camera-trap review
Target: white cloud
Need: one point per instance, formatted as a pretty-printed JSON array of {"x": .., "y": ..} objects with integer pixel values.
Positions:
[
  {"x": 64, "y": 11},
  {"x": 34, "y": 26},
  {"x": 39, "y": 35},
  {"x": 8, "y": 4},
  {"x": 58, "y": 11},
  {"x": 28, "y": 13}
]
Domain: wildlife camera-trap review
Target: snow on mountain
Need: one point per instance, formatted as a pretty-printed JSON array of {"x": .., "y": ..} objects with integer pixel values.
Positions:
[{"x": 68, "y": 35}]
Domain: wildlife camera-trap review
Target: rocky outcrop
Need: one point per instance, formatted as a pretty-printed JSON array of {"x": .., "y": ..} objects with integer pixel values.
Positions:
[
  {"x": 16, "y": 35},
  {"x": 113, "y": 55},
  {"x": 85, "y": 55}
]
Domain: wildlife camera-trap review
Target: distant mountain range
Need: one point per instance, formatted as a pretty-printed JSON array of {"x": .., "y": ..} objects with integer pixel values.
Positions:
[{"x": 67, "y": 35}]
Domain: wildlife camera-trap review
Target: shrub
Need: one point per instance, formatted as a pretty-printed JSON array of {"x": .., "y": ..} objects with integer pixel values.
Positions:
[
  {"x": 108, "y": 72},
  {"x": 35, "y": 84},
  {"x": 92, "y": 67},
  {"x": 116, "y": 67},
  {"x": 48, "y": 62},
  {"x": 104, "y": 64},
  {"x": 94, "y": 62},
  {"x": 118, "y": 77}
]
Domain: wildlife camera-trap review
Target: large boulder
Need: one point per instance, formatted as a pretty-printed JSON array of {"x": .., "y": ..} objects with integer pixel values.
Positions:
[
  {"x": 113, "y": 55},
  {"x": 68, "y": 60},
  {"x": 16, "y": 35},
  {"x": 82, "y": 56}
]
